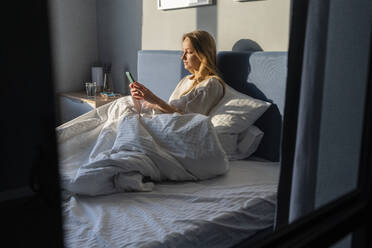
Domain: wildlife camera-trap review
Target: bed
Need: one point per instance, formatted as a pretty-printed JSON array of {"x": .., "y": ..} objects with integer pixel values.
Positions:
[{"x": 217, "y": 212}]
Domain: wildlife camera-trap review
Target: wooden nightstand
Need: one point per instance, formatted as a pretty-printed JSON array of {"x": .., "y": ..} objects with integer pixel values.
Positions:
[{"x": 74, "y": 104}]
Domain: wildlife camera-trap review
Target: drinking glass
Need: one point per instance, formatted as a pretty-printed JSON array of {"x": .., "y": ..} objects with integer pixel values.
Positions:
[{"x": 91, "y": 89}]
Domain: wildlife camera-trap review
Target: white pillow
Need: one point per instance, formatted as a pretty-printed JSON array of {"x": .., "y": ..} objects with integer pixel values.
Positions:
[
  {"x": 236, "y": 111},
  {"x": 249, "y": 140},
  {"x": 229, "y": 143},
  {"x": 243, "y": 145},
  {"x": 247, "y": 143}
]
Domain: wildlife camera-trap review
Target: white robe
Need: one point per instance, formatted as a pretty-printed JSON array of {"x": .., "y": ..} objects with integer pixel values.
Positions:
[{"x": 201, "y": 99}]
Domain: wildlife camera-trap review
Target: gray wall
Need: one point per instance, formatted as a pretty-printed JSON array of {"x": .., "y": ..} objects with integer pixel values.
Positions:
[
  {"x": 119, "y": 25},
  {"x": 87, "y": 32},
  {"x": 73, "y": 42}
]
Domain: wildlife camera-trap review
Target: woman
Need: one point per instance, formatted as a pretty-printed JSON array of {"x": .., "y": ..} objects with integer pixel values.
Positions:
[
  {"x": 196, "y": 93},
  {"x": 112, "y": 150}
]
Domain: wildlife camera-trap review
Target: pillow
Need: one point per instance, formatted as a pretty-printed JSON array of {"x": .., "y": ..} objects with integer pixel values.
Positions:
[
  {"x": 243, "y": 145},
  {"x": 229, "y": 143},
  {"x": 247, "y": 143},
  {"x": 236, "y": 112}
]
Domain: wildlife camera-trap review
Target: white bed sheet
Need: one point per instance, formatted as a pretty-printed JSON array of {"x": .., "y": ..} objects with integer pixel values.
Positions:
[{"x": 213, "y": 213}]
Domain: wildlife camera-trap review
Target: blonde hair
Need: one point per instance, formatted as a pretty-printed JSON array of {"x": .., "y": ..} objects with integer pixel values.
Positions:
[{"x": 205, "y": 50}]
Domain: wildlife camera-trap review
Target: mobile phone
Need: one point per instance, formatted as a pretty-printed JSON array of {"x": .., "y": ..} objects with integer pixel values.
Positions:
[
  {"x": 130, "y": 77},
  {"x": 137, "y": 103}
]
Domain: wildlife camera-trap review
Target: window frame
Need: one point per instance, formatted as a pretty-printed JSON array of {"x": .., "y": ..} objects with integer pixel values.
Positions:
[{"x": 345, "y": 215}]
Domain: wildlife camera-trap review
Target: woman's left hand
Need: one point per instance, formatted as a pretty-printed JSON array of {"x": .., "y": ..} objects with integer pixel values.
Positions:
[{"x": 140, "y": 92}]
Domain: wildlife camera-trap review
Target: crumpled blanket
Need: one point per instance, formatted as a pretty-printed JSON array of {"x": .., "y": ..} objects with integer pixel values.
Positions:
[{"x": 114, "y": 149}]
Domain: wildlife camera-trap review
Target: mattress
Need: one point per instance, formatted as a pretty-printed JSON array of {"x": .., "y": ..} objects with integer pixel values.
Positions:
[{"x": 219, "y": 212}]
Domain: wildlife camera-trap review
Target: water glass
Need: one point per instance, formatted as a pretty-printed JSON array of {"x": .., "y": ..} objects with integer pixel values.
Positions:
[{"x": 91, "y": 89}]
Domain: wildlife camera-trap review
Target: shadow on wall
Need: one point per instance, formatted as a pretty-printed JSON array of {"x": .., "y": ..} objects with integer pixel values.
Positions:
[{"x": 246, "y": 45}]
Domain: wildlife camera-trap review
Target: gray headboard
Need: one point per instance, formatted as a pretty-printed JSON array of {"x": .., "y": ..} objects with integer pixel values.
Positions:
[{"x": 259, "y": 74}]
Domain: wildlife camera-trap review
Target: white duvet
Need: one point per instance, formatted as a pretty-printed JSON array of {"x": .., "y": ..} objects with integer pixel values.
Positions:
[{"x": 114, "y": 149}]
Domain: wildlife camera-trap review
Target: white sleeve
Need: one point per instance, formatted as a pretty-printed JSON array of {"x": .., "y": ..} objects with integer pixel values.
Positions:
[{"x": 201, "y": 99}]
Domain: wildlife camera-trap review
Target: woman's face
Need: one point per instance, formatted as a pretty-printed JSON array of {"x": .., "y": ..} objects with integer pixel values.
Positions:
[{"x": 189, "y": 58}]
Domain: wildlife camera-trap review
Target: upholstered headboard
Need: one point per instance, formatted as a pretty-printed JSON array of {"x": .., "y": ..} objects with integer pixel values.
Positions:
[{"x": 259, "y": 74}]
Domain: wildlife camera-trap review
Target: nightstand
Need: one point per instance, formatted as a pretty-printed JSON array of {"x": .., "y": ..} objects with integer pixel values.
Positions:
[{"x": 74, "y": 104}]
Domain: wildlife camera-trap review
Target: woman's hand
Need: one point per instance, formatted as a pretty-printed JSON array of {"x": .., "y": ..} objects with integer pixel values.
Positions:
[{"x": 140, "y": 92}]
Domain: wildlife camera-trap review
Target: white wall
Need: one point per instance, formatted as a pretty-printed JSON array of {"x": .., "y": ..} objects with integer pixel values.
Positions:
[
  {"x": 265, "y": 22},
  {"x": 163, "y": 29},
  {"x": 73, "y": 42}
]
